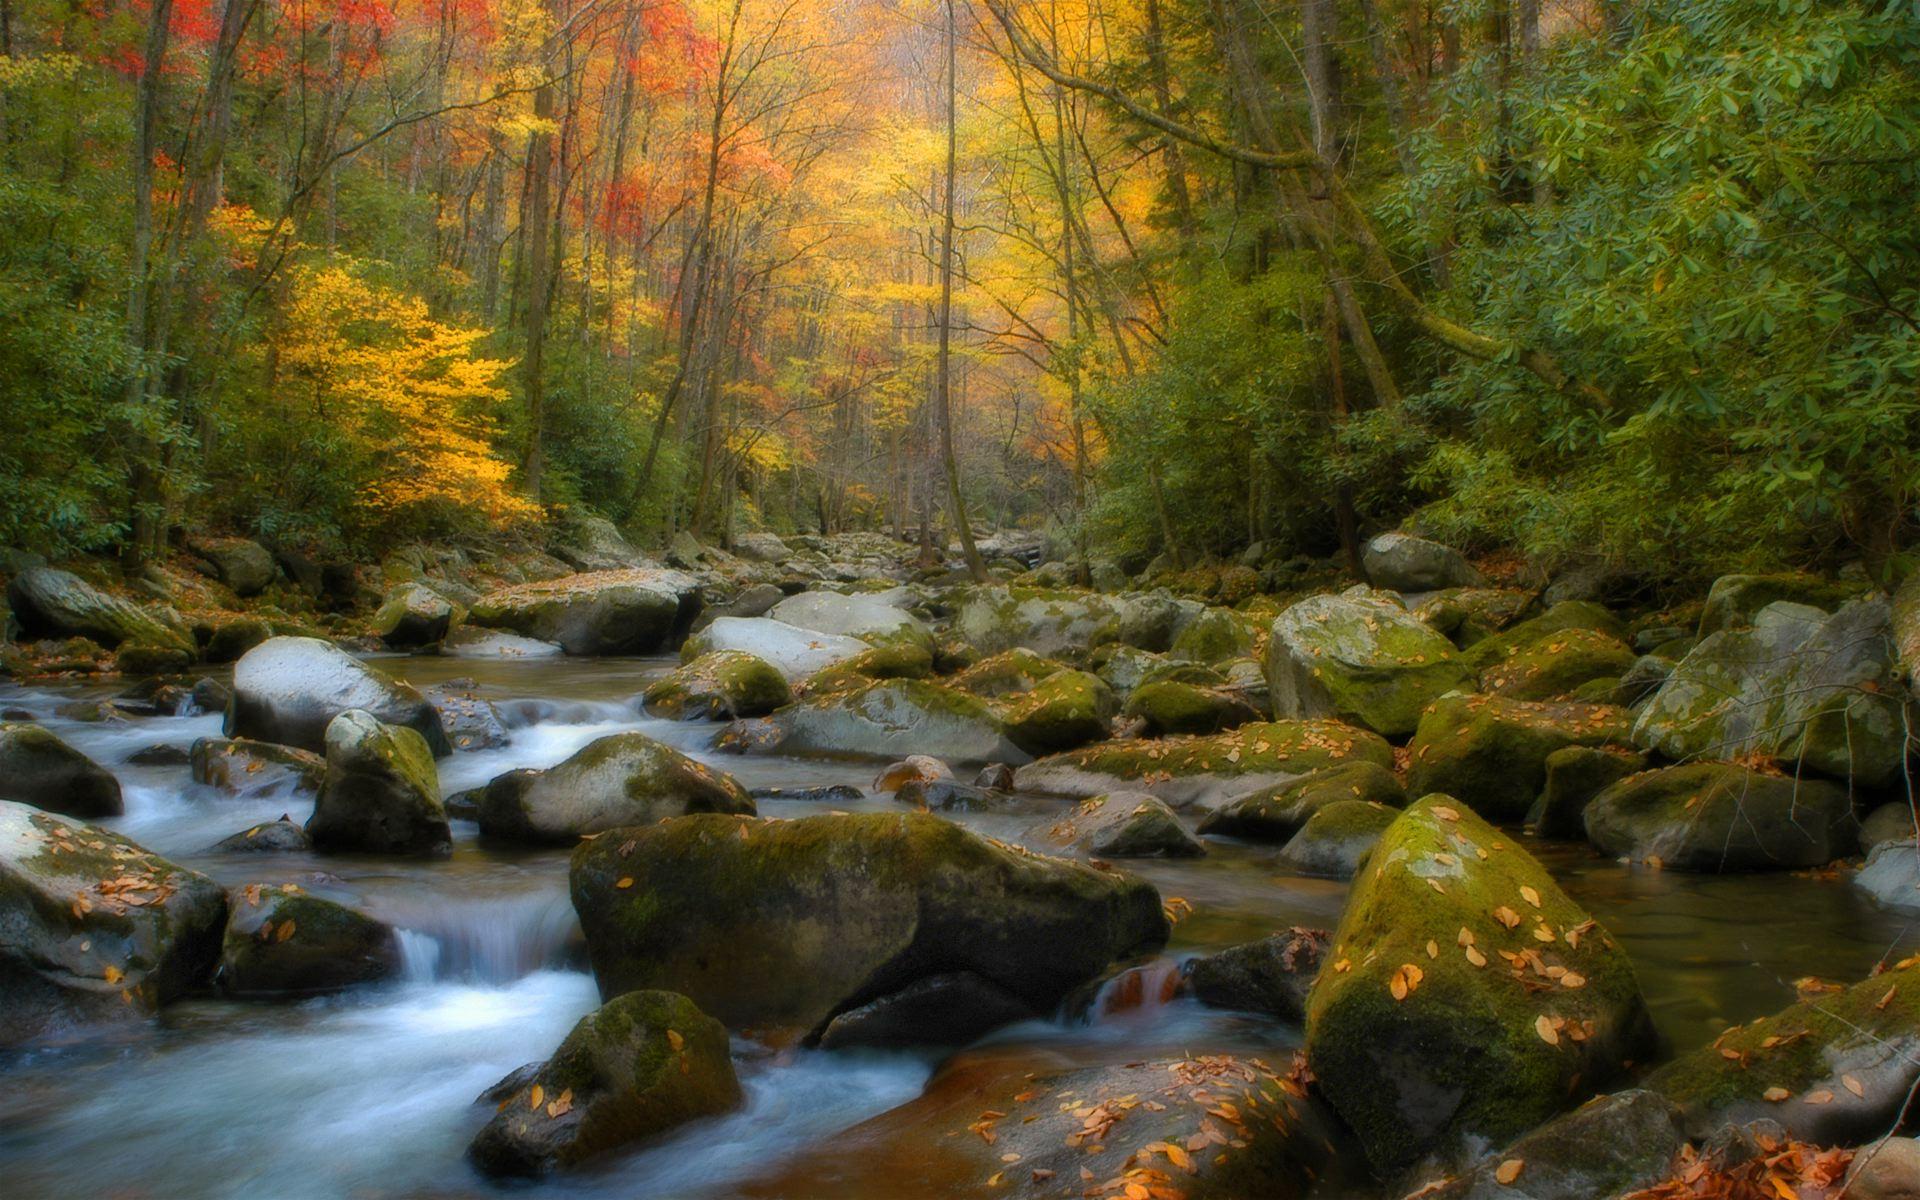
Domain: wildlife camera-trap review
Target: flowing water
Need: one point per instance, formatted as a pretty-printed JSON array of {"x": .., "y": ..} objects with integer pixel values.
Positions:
[{"x": 370, "y": 1094}]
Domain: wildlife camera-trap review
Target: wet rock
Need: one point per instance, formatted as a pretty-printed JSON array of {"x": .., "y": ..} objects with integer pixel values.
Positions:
[
  {"x": 231, "y": 639},
  {"x": 146, "y": 658},
  {"x": 160, "y": 754},
  {"x": 37, "y": 768},
  {"x": 1122, "y": 825},
  {"x": 1401, "y": 562},
  {"x": 1735, "y": 601},
  {"x": 622, "y": 779},
  {"x": 939, "y": 1010},
  {"x": 996, "y": 777},
  {"x": 240, "y": 766},
  {"x": 468, "y": 641},
  {"x": 245, "y": 566},
  {"x": 889, "y": 660},
  {"x": 1492, "y": 752},
  {"x": 638, "y": 611},
  {"x": 1892, "y": 875},
  {"x": 1721, "y": 817},
  {"x": 49, "y": 603},
  {"x": 1821, "y": 692},
  {"x": 1886, "y": 1170},
  {"x": 283, "y": 943},
  {"x": 915, "y": 768},
  {"x": 1843, "y": 1063},
  {"x": 1337, "y": 839},
  {"x": 1276, "y": 814},
  {"x": 470, "y": 722},
  {"x": 890, "y": 718},
  {"x": 1205, "y": 771},
  {"x": 93, "y": 927},
  {"x": 1064, "y": 710},
  {"x": 833, "y": 793},
  {"x": 464, "y": 805},
  {"x": 1361, "y": 658},
  {"x": 415, "y": 615},
  {"x": 1558, "y": 665},
  {"x": 1608, "y": 1147},
  {"x": 1170, "y": 708},
  {"x": 1052, "y": 623},
  {"x": 1575, "y": 775},
  {"x": 381, "y": 794},
  {"x": 269, "y": 837},
  {"x": 1270, "y": 976},
  {"x": 1564, "y": 617},
  {"x": 1421, "y": 1030},
  {"x": 1214, "y": 636},
  {"x": 796, "y": 653},
  {"x": 642, "y": 1064},
  {"x": 947, "y": 795},
  {"x": 1892, "y": 822},
  {"x": 1008, "y": 673},
  {"x": 864, "y": 617},
  {"x": 210, "y": 695},
  {"x": 787, "y": 924},
  {"x": 719, "y": 686},
  {"x": 290, "y": 689},
  {"x": 1124, "y": 667}
]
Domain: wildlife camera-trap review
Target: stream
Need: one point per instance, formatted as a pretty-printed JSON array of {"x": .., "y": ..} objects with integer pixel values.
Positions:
[{"x": 370, "y": 1094}]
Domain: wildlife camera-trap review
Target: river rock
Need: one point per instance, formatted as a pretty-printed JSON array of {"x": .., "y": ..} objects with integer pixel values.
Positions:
[
  {"x": 1843, "y": 1063},
  {"x": 864, "y": 617},
  {"x": 1401, "y": 562},
  {"x": 1492, "y": 752},
  {"x": 37, "y": 768},
  {"x": 381, "y": 794},
  {"x": 1276, "y": 814},
  {"x": 1359, "y": 657},
  {"x": 1121, "y": 825},
  {"x": 470, "y": 641},
  {"x": 796, "y": 653},
  {"x": 914, "y": 768},
  {"x": 242, "y": 564},
  {"x": 1886, "y": 1170},
  {"x": 1169, "y": 708},
  {"x": 1124, "y": 667},
  {"x": 596, "y": 544},
  {"x": 1736, "y": 601},
  {"x": 1008, "y": 673},
  {"x": 1558, "y": 664},
  {"x": 1337, "y": 839},
  {"x": 94, "y": 927},
  {"x": 1575, "y": 775},
  {"x": 282, "y": 942},
  {"x": 720, "y": 685},
  {"x": 290, "y": 689},
  {"x": 1606, "y": 1148},
  {"x": 150, "y": 659},
  {"x": 1891, "y": 822},
  {"x": 791, "y": 923},
  {"x": 1205, "y": 771},
  {"x": 1214, "y": 636},
  {"x": 621, "y": 779},
  {"x": 888, "y": 660},
  {"x": 1064, "y": 710},
  {"x": 415, "y": 615},
  {"x": 1821, "y": 692},
  {"x": 1892, "y": 875},
  {"x": 886, "y": 719},
  {"x": 1055, "y": 624},
  {"x": 50, "y": 603},
  {"x": 231, "y": 639},
  {"x": 938, "y": 1010},
  {"x": 470, "y": 721},
  {"x": 241, "y": 767},
  {"x": 1718, "y": 817},
  {"x": 1467, "y": 996},
  {"x": 268, "y": 837},
  {"x": 640, "y": 1065},
  {"x": 637, "y": 611},
  {"x": 1270, "y": 976},
  {"x": 1564, "y": 617}
]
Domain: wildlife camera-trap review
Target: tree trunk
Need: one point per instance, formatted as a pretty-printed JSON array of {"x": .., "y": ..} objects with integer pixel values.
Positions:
[
  {"x": 144, "y": 479},
  {"x": 943, "y": 387}
]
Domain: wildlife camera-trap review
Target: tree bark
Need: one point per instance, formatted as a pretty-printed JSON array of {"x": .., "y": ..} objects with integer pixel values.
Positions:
[{"x": 943, "y": 388}]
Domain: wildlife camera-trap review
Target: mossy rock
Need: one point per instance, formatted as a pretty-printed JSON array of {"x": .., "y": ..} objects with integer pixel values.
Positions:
[
  {"x": 1064, "y": 710},
  {"x": 904, "y": 659},
  {"x": 618, "y": 780},
  {"x": 1214, "y": 636},
  {"x": 1121, "y": 825},
  {"x": 1271, "y": 976},
  {"x": 290, "y": 689},
  {"x": 869, "y": 618},
  {"x": 1124, "y": 667},
  {"x": 268, "y": 837},
  {"x": 1205, "y": 770},
  {"x": 1466, "y": 996},
  {"x": 1007, "y": 673},
  {"x": 1359, "y": 657},
  {"x": 415, "y": 615},
  {"x": 1565, "y": 616},
  {"x": 1817, "y": 1053},
  {"x": 889, "y": 719},
  {"x": 1276, "y": 814},
  {"x": 796, "y": 653},
  {"x": 1194, "y": 674},
  {"x": 1720, "y": 817},
  {"x": 1337, "y": 839},
  {"x": 1735, "y": 600},
  {"x": 640, "y": 1065},
  {"x": 1609, "y": 1147},
  {"x": 1558, "y": 665},
  {"x": 241, "y": 766},
  {"x": 635, "y": 611},
  {"x": 1181, "y": 708},
  {"x": 1405, "y": 563},
  {"x": 231, "y": 639},
  {"x": 1470, "y": 615},
  {"x": 284, "y": 943},
  {"x": 148, "y": 658},
  {"x": 1575, "y": 775},
  {"x": 50, "y": 603},
  {"x": 718, "y": 686},
  {"x": 1492, "y": 752},
  {"x": 786, "y": 924},
  {"x": 38, "y": 768},
  {"x": 1055, "y": 623},
  {"x": 381, "y": 794}
]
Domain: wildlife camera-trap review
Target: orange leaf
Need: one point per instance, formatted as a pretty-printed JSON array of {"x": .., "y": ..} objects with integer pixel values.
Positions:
[
  {"x": 1509, "y": 1170},
  {"x": 1543, "y": 1025}
]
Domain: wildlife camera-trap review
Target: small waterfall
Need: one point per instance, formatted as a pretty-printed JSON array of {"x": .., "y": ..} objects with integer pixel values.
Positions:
[
  {"x": 1138, "y": 989},
  {"x": 527, "y": 712},
  {"x": 490, "y": 941}
]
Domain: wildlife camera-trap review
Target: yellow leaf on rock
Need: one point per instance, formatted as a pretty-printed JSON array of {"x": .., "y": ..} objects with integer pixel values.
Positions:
[
  {"x": 535, "y": 1096},
  {"x": 1509, "y": 1170},
  {"x": 675, "y": 1040},
  {"x": 1775, "y": 1094},
  {"x": 1543, "y": 1025}
]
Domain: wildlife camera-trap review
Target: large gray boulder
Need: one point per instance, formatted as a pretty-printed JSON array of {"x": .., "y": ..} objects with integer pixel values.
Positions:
[
  {"x": 37, "y": 768},
  {"x": 1736, "y": 601},
  {"x": 382, "y": 793},
  {"x": 1892, "y": 875},
  {"x": 795, "y": 652},
  {"x": 242, "y": 564},
  {"x": 865, "y": 617},
  {"x": 1802, "y": 687},
  {"x": 1359, "y": 657},
  {"x": 638, "y": 611},
  {"x": 622, "y": 779},
  {"x": 1401, "y": 562},
  {"x": 1720, "y": 817},
  {"x": 1050, "y": 623},
  {"x": 289, "y": 690},
  {"x": 470, "y": 641},
  {"x": 885, "y": 719},
  {"x": 282, "y": 942},
  {"x": 50, "y": 603},
  {"x": 1120, "y": 825},
  {"x": 94, "y": 927},
  {"x": 415, "y": 615},
  {"x": 718, "y": 686},
  {"x": 242, "y": 767}
]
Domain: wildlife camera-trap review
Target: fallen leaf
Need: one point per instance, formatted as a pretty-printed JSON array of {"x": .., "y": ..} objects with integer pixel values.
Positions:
[
  {"x": 1531, "y": 897},
  {"x": 286, "y": 931},
  {"x": 1775, "y": 1094},
  {"x": 1543, "y": 1025},
  {"x": 535, "y": 1096},
  {"x": 675, "y": 1040},
  {"x": 625, "y": 882},
  {"x": 1853, "y": 1085},
  {"x": 1509, "y": 1170}
]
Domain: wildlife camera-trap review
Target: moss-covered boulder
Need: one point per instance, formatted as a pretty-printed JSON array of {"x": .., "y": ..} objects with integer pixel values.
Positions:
[
  {"x": 937, "y": 1010},
  {"x": 638, "y": 611},
  {"x": 1575, "y": 775},
  {"x": 1609, "y": 1147},
  {"x": 38, "y": 768},
  {"x": 50, "y": 603},
  {"x": 228, "y": 640},
  {"x": 1120, "y": 825},
  {"x": 1833, "y": 1070},
  {"x": 413, "y": 614},
  {"x": 1056, "y": 624},
  {"x": 93, "y": 927},
  {"x": 1466, "y": 996},
  {"x": 887, "y": 719},
  {"x": 904, "y": 659},
  {"x": 1564, "y": 617},
  {"x": 1820, "y": 692},
  {"x": 1205, "y": 771},
  {"x": 787, "y": 924},
  {"x": 1492, "y": 752},
  {"x": 1007, "y": 673},
  {"x": 1402, "y": 562},
  {"x": 1468, "y": 616},
  {"x": 1124, "y": 667},
  {"x": 243, "y": 564},
  {"x": 1719, "y": 817},
  {"x": 289, "y": 690},
  {"x": 1214, "y": 636},
  {"x": 1270, "y": 976},
  {"x": 1890, "y": 822},
  {"x": 268, "y": 837},
  {"x": 1062, "y": 711},
  {"x": 282, "y": 942},
  {"x": 869, "y": 618},
  {"x": 243, "y": 767},
  {"x": 796, "y": 653},
  {"x": 721, "y": 685},
  {"x": 470, "y": 720},
  {"x": 1559, "y": 664},
  {"x": 1359, "y": 657},
  {"x": 1734, "y": 601},
  {"x": 1337, "y": 839},
  {"x": 148, "y": 658},
  {"x": 381, "y": 794},
  {"x": 1170, "y": 708},
  {"x": 1891, "y": 875},
  {"x": 1275, "y": 814},
  {"x": 640, "y": 1065},
  {"x": 621, "y": 779}
]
